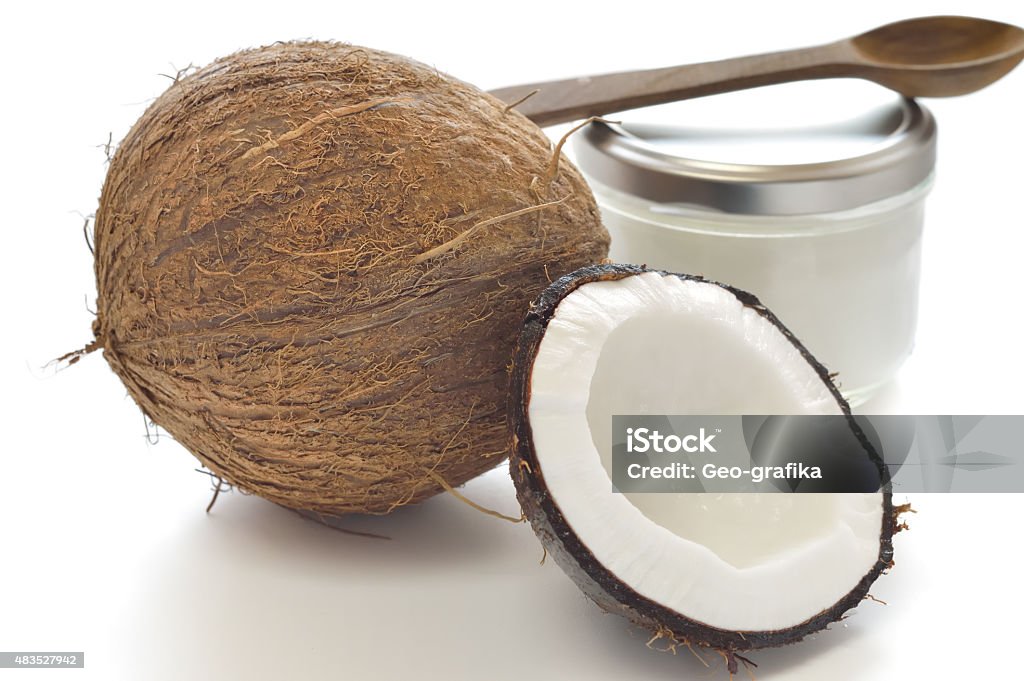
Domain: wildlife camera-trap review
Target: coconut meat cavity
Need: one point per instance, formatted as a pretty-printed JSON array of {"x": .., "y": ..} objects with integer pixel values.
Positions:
[{"x": 653, "y": 344}]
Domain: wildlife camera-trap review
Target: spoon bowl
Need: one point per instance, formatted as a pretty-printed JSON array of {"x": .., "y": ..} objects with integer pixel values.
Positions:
[
  {"x": 940, "y": 42},
  {"x": 940, "y": 56}
]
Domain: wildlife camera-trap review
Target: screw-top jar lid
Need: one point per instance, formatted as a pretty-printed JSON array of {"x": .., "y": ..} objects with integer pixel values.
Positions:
[{"x": 792, "y": 149}]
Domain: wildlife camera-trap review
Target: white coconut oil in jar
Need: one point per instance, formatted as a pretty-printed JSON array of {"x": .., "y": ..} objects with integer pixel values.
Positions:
[{"x": 809, "y": 195}]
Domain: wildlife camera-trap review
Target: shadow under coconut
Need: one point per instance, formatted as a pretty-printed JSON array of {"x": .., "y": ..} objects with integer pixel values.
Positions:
[
  {"x": 433, "y": 535},
  {"x": 257, "y": 592},
  {"x": 849, "y": 653}
]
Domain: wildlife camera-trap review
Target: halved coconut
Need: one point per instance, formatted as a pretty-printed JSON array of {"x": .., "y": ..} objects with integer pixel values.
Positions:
[{"x": 731, "y": 572}]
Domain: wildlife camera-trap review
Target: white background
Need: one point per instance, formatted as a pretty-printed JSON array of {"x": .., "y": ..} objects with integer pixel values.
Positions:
[{"x": 104, "y": 545}]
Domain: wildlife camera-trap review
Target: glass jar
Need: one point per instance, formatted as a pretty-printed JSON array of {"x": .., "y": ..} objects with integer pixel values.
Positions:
[{"x": 820, "y": 217}]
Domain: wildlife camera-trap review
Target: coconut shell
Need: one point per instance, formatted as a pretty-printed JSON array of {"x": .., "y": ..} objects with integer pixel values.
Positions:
[
  {"x": 575, "y": 558},
  {"x": 312, "y": 262}
]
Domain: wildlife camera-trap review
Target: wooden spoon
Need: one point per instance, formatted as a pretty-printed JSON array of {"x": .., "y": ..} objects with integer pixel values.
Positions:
[{"x": 925, "y": 57}]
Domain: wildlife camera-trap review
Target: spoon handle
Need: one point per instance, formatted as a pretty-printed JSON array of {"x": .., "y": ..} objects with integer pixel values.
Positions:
[{"x": 561, "y": 101}]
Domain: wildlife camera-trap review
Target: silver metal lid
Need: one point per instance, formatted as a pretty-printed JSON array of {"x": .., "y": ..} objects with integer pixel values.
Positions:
[{"x": 758, "y": 154}]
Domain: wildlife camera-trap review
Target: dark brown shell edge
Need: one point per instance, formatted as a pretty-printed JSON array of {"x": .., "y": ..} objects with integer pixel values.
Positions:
[{"x": 559, "y": 540}]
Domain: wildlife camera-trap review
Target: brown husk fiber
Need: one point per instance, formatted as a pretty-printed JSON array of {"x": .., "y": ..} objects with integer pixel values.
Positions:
[{"x": 313, "y": 260}]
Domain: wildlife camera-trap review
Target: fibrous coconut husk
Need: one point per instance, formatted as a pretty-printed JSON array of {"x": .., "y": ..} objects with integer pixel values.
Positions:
[{"x": 312, "y": 262}]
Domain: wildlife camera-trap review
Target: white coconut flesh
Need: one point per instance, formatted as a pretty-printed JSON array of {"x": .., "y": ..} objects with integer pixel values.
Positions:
[{"x": 654, "y": 344}]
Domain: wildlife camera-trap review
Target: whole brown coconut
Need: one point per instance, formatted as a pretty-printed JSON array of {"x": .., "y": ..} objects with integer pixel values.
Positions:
[{"x": 312, "y": 262}]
